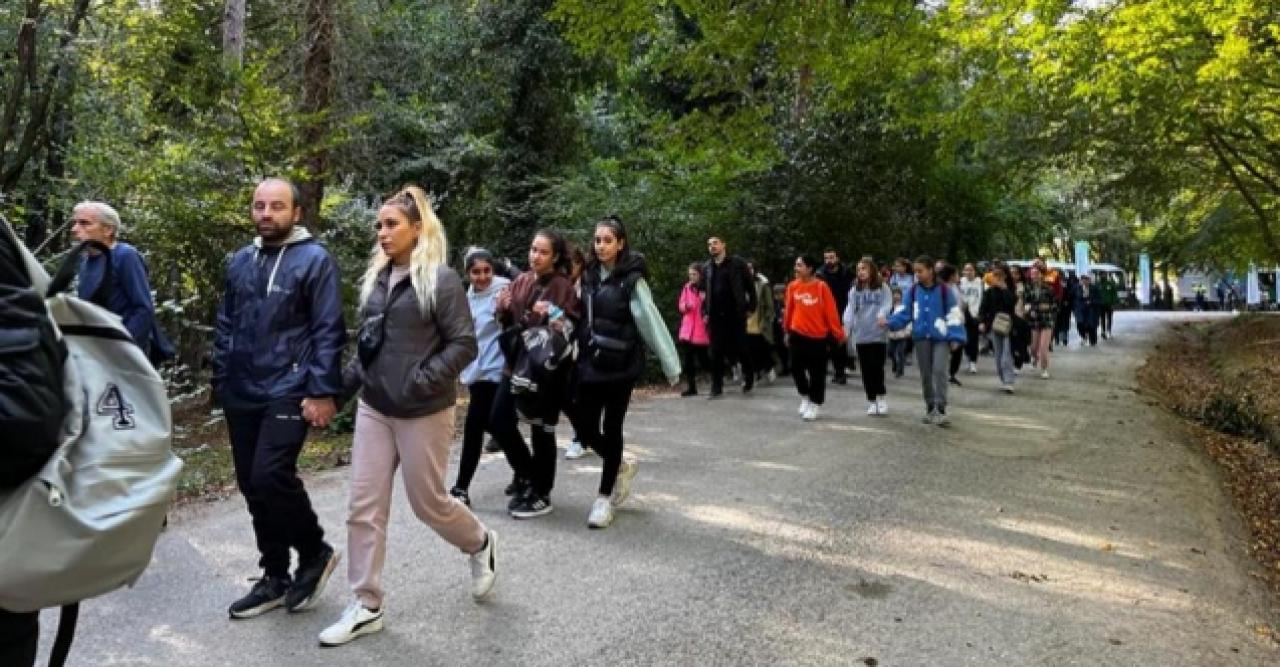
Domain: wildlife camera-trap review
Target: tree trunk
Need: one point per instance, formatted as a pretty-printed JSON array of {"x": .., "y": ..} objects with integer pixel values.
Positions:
[
  {"x": 233, "y": 15},
  {"x": 41, "y": 93},
  {"x": 317, "y": 91}
]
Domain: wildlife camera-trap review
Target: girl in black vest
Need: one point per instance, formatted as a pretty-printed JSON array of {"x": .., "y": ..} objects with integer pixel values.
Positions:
[{"x": 619, "y": 316}]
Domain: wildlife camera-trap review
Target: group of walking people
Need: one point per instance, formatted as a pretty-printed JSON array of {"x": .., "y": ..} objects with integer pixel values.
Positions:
[{"x": 568, "y": 336}]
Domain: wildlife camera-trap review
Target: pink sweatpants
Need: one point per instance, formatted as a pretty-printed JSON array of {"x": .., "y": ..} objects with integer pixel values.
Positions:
[{"x": 381, "y": 444}]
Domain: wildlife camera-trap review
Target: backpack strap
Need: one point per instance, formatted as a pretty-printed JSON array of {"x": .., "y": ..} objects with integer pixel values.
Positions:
[
  {"x": 66, "y": 632},
  {"x": 71, "y": 266}
]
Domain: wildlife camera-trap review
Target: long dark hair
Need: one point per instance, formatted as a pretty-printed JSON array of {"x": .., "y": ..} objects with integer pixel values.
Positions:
[
  {"x": 614, "y": 224},
  {"x": 559, "y": 248}
]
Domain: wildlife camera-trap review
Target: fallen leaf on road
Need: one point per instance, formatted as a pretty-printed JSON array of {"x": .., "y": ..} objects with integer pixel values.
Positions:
[{"x": 1107, "y": 546}]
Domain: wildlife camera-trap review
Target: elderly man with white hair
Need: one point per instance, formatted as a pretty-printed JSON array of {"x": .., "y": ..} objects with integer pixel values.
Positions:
[{"x": 128, "y": 294}]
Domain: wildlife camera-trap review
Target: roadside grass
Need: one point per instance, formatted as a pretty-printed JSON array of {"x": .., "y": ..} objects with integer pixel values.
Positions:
[{"x": 1222, "y": 378}]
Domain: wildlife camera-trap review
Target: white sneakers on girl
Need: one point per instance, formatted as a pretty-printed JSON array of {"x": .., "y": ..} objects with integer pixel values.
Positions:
[
  {"x": 1044, "y": 374},
  {"x": 601, "y": 513},
  {"x": 357, "y": 620},
  {"x": 484, "y": 567},
  {"x": 811, "y": 413},
  {"x": 872, "y": 408},
  {"x": 882, "y": 406},
  {"x": 804, "y": 406},
  {"x": 622, "y": 485}
]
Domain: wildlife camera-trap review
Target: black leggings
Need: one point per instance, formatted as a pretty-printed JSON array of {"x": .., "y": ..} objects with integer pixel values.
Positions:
[
  {"x": 19, "y": 637},
  {"x": 871, "y": 361},
  {"x": 809, "y": 366},
  {"x": 479, "y": 417},
  {"x": 1108, "y": 317},
  {"x": 690, "y": 356},
  {"x": 972, "y": 339},
  {"x": 538, "y": 467},
  {"x": 957, "y": 357},
  {"x": 607, "y": 402}
]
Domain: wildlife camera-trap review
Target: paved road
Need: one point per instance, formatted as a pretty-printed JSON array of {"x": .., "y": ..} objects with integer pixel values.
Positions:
[{"x": 1071, "y": 524}]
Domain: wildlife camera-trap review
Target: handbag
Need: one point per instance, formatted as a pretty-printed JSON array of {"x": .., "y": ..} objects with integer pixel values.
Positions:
[
  {"x": 1002, "y": 324},
  {"x": 373, "y": 331}
]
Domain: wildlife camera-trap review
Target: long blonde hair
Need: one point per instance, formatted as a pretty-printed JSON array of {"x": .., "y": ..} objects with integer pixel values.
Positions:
[{"x": 427, "y": 257}]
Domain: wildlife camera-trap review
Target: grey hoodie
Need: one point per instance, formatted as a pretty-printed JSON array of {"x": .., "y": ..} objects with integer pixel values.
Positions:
[{"x": 862, "y": 315}]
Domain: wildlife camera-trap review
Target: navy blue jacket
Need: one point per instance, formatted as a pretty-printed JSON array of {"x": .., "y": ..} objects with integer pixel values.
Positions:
[
  {"x": 280, "y": 332},
  {"x": 128, "y": 295}
]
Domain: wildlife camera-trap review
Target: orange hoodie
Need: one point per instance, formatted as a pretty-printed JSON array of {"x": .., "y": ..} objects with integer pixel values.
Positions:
[{"x": 811, "y": 310}]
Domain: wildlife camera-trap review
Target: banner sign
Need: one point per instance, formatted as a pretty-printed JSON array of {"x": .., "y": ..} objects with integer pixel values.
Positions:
[
  {"x": 1082, "y": 258},
  {"x": 1144, "y": 279}
]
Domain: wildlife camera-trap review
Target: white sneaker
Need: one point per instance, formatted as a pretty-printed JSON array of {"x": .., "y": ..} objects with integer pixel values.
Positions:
[
  {"x": 355, "y": 621},
  {"x": 941, "y": 419},
  {"x": 812, "y": 413},
  {"x": 929, "y": 417},
  {"x": 484, "y": 567},
  {"x": 575, "y": 451},
  {"x": 1006, "y": 388},
  {"x": 601, "y": 513},
  {"x": 1044, "y": 374},
  {"x": 622, "y": 485},
  {"x": 804, "y": 406},
  {"x": 973, "y": 368},
  {"x": 872, "y": 408},
  {"x": 737, "y": 375},
  {"x": 772, "y": 376},
  {"x": 882, "y": 406},
  {"x": 1017, "y": 371}
]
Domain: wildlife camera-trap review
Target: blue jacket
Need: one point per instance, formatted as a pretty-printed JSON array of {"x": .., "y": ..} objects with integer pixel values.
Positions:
[
  {"x": 280, "y": 332},
  {"x": 128, "y": 295},
  {"x": 489, "y": 360},
  {"x": 934, "y": 313},
  {"x": 1086, "y": 309}
]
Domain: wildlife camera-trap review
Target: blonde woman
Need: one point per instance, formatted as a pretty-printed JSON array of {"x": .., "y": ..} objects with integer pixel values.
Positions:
[{"x": 416, "y": 337}]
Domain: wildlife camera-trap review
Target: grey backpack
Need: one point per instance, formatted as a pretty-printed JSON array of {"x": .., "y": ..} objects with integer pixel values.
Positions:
[{"x": 87, "y": 522}]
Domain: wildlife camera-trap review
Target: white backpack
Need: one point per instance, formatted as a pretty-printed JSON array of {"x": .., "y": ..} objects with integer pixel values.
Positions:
[{"x": 87, "y": 523}]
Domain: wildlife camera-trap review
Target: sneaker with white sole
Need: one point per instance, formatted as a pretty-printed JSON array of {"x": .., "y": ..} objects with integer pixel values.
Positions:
[
  {"x": 310, "y": 579},
  {"x": 973, "y": 368},
  {"x": 532, "y": 506},
  {"x": 1006, "y": 388},
  {"x": 812, "y": 413},
  {"x": 356, "y": 621},
  {"x": 622, "y": 483},
  {"x": 1044, "y": 374},
  {"x": 601, "y": 513},
  {"x": 882, "y": 406},
  {"x": 575, "y": 451},
  {"x": 929, "y": 417},
  {"x": 804, "y": 406},
  {"x": 872, "y": 408},
  {"x": 771, "y": 376},
  {"x": 940, "y": 418},
  {"x": 484, "y": 566},
  {"x": 267, "y": 594}
]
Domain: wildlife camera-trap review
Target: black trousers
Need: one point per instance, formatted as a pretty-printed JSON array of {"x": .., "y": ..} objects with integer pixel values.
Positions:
[
  {"x": 761, "y": 353},
  {"x": 19, "y": 637},
  {"x": 265, "y": 443},
  {"x": 871, "y": 360},
  {"x": 957, "y": 358},
  {"x": 1108, "y": 318},
  {"x": 809, "y": 366},
  {"x": 898, "y": 355},
  {"x": 479, "y": 417},
  {"x": 972, "y": 338},
  {"x": 690, "y": 356},
  {"x": 538, "y": 466},
  {"x": 603, "y": 408},
  {"x": 729, "y": 341},
  {"x": 780, "y": 349},
  {"x": 839, "y": 355}
]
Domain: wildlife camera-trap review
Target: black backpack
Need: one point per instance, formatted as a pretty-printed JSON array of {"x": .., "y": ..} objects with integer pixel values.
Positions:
[{"x": 32, "y": 399}]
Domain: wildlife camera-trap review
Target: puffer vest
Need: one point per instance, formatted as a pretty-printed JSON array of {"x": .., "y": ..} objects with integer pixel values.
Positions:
[{"x": 611, "y": 348}]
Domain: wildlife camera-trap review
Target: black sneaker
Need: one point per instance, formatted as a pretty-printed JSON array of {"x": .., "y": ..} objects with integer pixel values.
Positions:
[
  {"x": 532, "y": 506},
  {"x": 267, "y": 594},
  {"x": 715, "y": 394},
  {"x": 689, "y": 392},
  {"x": 461, "y": 495},
  {"x": 840, "y": 379},
  {"x": 309, "y": 580},
  {"x": 516, "y": 487},
  {"x": 492, "y": 446},
  {"x": 954, "y": 381}
]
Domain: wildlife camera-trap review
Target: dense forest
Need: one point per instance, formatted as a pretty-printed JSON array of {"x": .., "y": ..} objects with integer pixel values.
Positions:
[{"x": 964, "y": 128}]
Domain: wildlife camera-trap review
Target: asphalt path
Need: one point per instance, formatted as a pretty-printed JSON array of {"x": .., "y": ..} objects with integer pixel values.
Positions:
[{"x": 1069, "y": 524}]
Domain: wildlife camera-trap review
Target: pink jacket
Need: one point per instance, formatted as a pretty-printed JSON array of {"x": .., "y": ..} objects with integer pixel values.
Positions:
[{"x": 692, "y": 329}]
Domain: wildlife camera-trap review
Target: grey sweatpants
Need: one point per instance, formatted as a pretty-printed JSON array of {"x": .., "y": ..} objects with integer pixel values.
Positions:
[{"x": 933, "y": 358}]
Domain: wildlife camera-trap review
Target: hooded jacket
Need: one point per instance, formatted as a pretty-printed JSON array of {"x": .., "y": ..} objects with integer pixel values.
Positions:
[
  {"x": 416, "y": 371},
  {"x": 740, "y": 286},
  {"x": 862, "y": 315},
  {"x": 840, "y": 280},
  {"x": 279, "y": 332},
  {"x": 489, "y": 361},
  {"x": 934, "y": 313}
]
